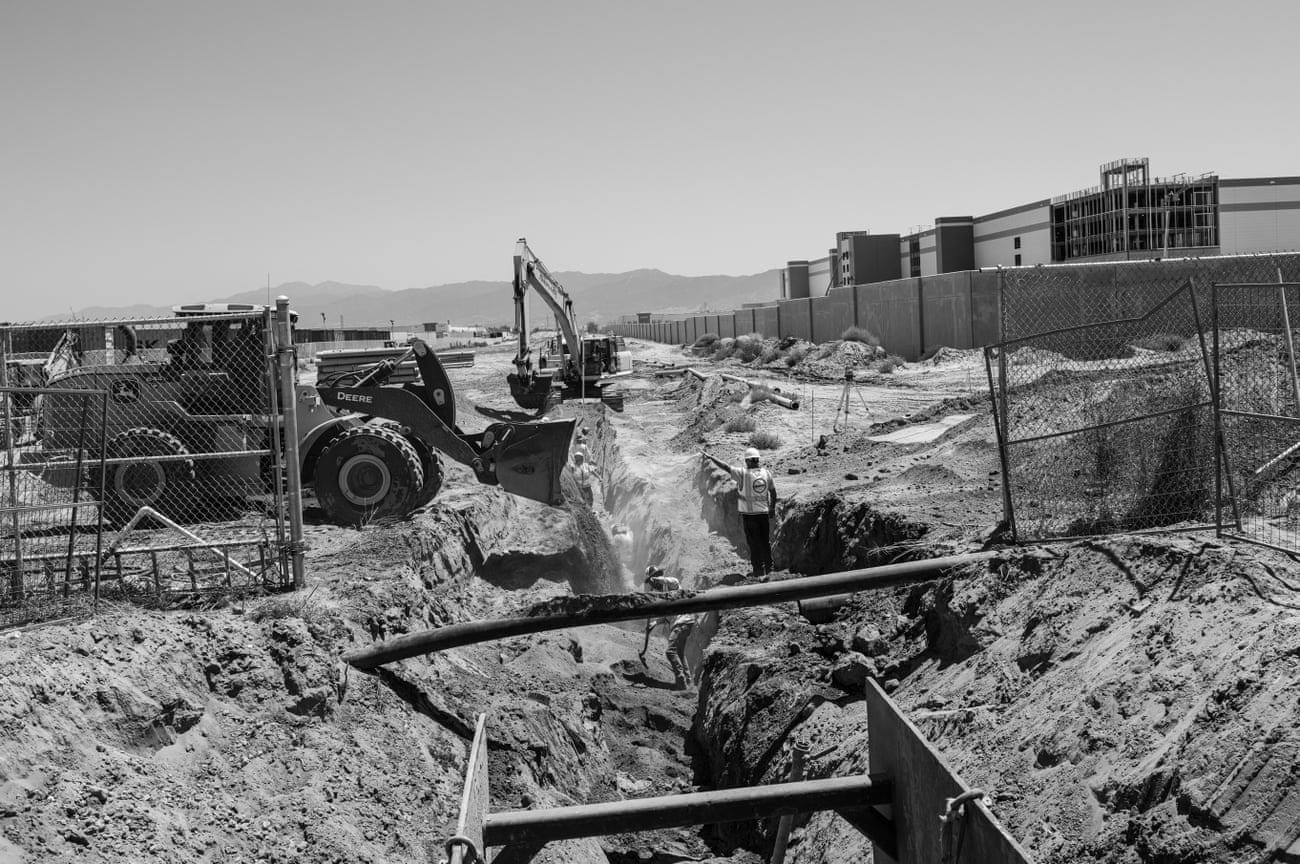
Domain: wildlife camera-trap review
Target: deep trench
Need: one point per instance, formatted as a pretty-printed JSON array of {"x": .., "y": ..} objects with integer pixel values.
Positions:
[{"x": 809, "y": 537}]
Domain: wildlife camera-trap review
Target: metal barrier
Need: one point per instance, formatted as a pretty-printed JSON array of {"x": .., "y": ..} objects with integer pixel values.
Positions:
[
  {"x": 1104, "y": 428},
  {"x": 1108, "y": 413},
  {"x": 50, "y": 525},
  {"x": 161, "y": 431},
  {"x": 1259, "y": 410}
]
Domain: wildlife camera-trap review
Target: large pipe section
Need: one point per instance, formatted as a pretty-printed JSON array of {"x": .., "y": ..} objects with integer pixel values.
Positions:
[
  {"x": 786, "y": 591},
  {"x": 532, "y": 827}
]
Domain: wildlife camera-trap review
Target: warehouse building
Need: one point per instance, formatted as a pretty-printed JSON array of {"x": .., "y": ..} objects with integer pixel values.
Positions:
[{"x": 1129, "y": 215}]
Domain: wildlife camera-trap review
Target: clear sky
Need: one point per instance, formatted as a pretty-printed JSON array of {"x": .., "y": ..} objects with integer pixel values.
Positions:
[{"x": 179, "y": 150}]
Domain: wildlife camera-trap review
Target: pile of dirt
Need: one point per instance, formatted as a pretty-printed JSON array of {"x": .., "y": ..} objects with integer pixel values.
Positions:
[
  {"x": 1111, "y": 696},
  {"x": 588, "y": 603},
  {"x": 831, "y": 359}
]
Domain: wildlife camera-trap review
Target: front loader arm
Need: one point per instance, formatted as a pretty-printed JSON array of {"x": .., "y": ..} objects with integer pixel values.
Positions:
[{"x": 525, "y": 459}]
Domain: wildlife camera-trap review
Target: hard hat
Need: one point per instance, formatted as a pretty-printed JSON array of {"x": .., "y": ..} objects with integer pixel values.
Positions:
[
  {"x": 577, "y": 457},
  {"x": 653, "y": 571},
  {"x": 752, "y": 453}
]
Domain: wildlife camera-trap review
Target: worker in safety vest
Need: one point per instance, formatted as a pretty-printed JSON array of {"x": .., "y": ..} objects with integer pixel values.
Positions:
[{"x": 757, "y": 495}]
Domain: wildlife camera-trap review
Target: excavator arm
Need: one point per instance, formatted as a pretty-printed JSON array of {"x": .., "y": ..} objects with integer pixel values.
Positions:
[{"x": 530, "y": 272}]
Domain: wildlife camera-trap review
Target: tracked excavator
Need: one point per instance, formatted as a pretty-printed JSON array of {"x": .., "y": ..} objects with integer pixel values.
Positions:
[
  {"x": 574, "y": 365},
  {"x": 195, "y": 425}
]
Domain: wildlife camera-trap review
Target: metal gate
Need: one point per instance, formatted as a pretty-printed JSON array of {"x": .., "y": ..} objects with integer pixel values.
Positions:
[
  {"x": 159, "y": 437},
  {"x": 1259, "y": 410},
  {"x": 1107, "y": 426}
]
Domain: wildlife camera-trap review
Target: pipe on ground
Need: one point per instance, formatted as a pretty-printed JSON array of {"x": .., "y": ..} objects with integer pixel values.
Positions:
[
  {"x": 766, "y": 593},
  {"x": 773, "y": 397},
  {"x": 530, "y": 827}
]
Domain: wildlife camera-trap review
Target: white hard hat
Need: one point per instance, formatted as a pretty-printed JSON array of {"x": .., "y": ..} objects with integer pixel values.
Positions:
[
  {"x": 752, "y": 453},
  {"x": 577, "y": 456}
]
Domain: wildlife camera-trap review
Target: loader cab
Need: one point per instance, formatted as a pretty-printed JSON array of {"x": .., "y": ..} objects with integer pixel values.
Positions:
[{"x": 223, "y": 349}]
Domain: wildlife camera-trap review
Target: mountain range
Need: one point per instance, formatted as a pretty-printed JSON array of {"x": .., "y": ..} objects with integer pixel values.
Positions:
[{"x": 596, "y": 297}]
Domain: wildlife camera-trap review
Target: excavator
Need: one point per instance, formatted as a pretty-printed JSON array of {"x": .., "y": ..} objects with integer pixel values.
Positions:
[
  {"x": 574, "y": 365},
  {"x": 194, "y": 426}
]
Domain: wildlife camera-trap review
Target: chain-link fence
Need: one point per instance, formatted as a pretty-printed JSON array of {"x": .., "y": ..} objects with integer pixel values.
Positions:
[
  {"x": 1259, "y": 393},
  {"x": 1107, "y": 413},
  {"x": 179, "y": 460},
  {"x": 50, "y": 530}
]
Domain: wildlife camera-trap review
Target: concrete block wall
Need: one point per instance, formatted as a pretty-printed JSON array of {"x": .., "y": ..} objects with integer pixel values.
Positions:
[
  {"x": 767, "y": 320},
  {"x": 946, "y": 311},
  {"x": 744, "y": 321},
  {"x": 832, "y": 315},
  {"x": 892, "y": 312},
  {"x": 727, "y": 325},
  {"x": 796, "y": 318}
]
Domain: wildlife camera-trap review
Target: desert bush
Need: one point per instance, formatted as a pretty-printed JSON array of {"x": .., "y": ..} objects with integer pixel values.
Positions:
[
  {"x": 740, "y": 423},
  {"x": 770, "y": 354},
  {"x": 748, "y": 347},
  {"x": 1161, "y": 342},
  {"x": 759, "y": 393},
  {"x": 295, "y": 605},
  {"x": 705, "y": 340},
  {"x": 796, "y": 354},
  {"x": 859, "y": 334},
  {"x": 724, "y": 348},
  {"x": 885, "y": 367},
  {"x": 765, "y": 440}
]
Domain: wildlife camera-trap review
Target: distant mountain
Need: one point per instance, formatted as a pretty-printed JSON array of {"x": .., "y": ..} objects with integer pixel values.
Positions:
[{"x": 596, "y": 296}]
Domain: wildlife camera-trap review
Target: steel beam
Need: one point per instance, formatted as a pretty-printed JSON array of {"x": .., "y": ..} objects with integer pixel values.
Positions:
[
  {"x": 524, "y": 827},
  {"x": 767, "y": 593}
]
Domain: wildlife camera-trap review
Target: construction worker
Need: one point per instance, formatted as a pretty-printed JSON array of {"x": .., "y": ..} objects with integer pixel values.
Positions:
[
  {"x": 679, "y": 627},
  {"x": 580, "y": 444},
  {"x": 585, "y": 474},
  {"x": 757, "y": 494},
  {"x": 621, "y": 539}
]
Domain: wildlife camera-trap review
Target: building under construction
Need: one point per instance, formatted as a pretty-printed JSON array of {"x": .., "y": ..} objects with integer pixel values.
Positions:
[{"x": 1129, "y": 215}]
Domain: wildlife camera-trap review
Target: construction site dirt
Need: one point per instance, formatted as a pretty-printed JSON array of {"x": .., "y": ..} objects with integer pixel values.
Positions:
[{"x": 1120, "y": 699}]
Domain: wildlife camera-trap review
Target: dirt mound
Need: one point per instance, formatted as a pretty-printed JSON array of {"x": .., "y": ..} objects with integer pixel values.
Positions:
[
  {"x": 946, "y": 356},
  {"x": 830, "y": 359}
]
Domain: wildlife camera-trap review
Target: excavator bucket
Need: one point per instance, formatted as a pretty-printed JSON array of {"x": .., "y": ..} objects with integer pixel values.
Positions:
[{"x": 531, "y": 456}]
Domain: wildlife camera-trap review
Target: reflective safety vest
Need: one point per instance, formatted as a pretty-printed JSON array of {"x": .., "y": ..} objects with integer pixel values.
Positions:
[{"x": 755, "y": 489}]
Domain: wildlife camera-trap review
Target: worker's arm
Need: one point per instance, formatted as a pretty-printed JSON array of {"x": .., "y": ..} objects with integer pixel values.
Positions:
[
  {"x": 715, "y": 460},
  {"x": 771, "y": 495}
]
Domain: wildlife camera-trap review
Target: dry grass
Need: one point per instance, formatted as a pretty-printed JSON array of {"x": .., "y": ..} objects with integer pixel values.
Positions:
[
  {"x": 741, "y": 423},
  {"x": 859, "y": 334},
  {"x": 765, "y": 440},
  {"x": 706, "y": 340}
]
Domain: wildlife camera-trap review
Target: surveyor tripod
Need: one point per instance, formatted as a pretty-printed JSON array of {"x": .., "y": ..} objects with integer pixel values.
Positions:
[{"x": 850, "y": 387}]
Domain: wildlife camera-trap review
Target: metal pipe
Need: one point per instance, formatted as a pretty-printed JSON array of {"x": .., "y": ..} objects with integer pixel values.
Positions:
[
  {"x": 798, "y": 750},
  {"x": 526, "y": 827},
  {"x": 293, "y": 464},
  {"x": 783, "y": 401},
  {"x": 785, "y": 591}
]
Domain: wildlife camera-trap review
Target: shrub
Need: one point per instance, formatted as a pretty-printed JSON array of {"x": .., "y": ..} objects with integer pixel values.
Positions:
[
  {"x": 759, "y": 393},
  {"x": 885, "y": 367},
  {"x": 859, "y": 334},
  {"x": 740, "y": 423},
  {"x": 796, "y": 354},
  {"x": 748, "y": 347},
  {"x": 1161, "y": 342},
  {"x": 706, "y": 340},
  {"x": 765, "y": 440},
  {"x": 724, "y": 348},
  {"x": 294, "y": 605},
  {"x": 770, "y": 353}
]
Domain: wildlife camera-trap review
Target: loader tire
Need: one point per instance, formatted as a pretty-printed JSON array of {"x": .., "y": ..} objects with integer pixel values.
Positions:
[
  {"x": 432, "y": 466},
  {"x": 366, "y": 474},
  {"x": 166, "y": 485}
]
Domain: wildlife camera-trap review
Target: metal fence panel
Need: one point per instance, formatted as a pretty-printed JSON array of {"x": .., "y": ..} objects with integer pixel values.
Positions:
[
  {"x": 1259, "y": 393},
  {"x": 1109, "y": 426},
  {"x": 186, "y": 429},
  {"x": 50, "y": 530}
]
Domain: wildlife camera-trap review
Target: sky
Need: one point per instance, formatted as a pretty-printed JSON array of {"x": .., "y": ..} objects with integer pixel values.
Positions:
[{"x": 168, "y": 151}]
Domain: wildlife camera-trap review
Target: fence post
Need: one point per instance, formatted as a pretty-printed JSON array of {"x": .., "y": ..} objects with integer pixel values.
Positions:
[{"x": 289, "y": 421}]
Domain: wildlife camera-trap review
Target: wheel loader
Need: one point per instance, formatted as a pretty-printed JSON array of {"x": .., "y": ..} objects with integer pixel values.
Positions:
[{"x": 190, "y": 434}]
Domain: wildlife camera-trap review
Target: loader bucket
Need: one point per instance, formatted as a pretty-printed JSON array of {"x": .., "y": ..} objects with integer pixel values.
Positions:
[{"x": 531, "y": 456}]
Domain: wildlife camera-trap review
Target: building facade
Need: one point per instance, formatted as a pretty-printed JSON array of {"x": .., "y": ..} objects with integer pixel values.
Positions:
[{"x": 1129, "y": 215}]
